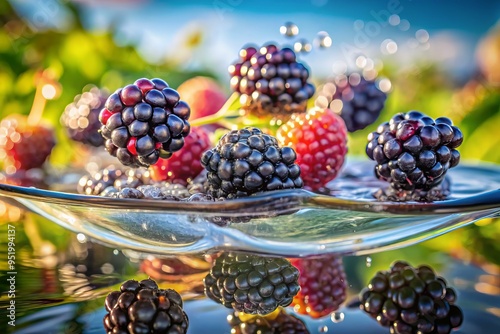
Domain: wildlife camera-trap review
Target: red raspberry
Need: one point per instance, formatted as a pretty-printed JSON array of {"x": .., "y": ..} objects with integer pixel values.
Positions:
[
  {"x": 184, "y": 164},
  {"x": 24, "y": 146},
  {"x": 203, "y": 95},
  {"x": 319, "y": 138},
  {"x": 322, "y": 285}
]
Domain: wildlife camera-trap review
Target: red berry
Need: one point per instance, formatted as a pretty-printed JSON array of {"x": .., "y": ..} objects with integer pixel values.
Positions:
[
  {"x": 23, "y": 146},
  {"x": 203, "y": 95},
  {"x": 145, "y": 85},
  {"x": 184, "y": 164},
  {"x": 322, "y": 283},
  {"x": 319, "y": 137},
  {"x": 131, "y": 145},
  {"x": 104, "y": 115}
]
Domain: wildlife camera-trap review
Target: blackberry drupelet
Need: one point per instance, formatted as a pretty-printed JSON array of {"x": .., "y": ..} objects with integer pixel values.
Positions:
[
  {"x": 282, "y": 323},
  {"x": 252, "y": 284},
  {"x": 142, "y": 307},
  {"x": 143, "y": 122},
  {"x": 81, "y": 117},
  {"x": 248, "y": 161},
  {"x": 414, "y": 151},
  {"x": 411, "y": 300},
  {"x": 271, "y": 81},
  {"x": 357, "y": 100},
  {"x": 323, "y": 285}
]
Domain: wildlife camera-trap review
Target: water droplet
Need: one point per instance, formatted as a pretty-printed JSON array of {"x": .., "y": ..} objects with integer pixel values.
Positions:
[
  {"x": 404, "y": 25},
  {"x": 116, "y": 252},
  {"x": 388, "y": 46},
  {"x": 81, "y": 238},
  {"x": 337, "y": 317},
  {"x": 107, "y": 268},
  {"x": 324, "y": 40},
  {"x": 368, "y": 261},
  {"x": 384, "y": 85},
  {"x": 422, "y": 35},
  {"x": 289, "y": 29},
  {"x": 323, "y": 329},
  {"x": 394, "y": 20},
  {"x": 361, "y": 61},
  {"x": 303, "y": 46},
  {"x": 321, "y": 102}
]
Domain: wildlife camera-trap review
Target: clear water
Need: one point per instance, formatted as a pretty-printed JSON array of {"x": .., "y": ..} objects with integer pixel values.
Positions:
[{"x": 62, "y": 280}]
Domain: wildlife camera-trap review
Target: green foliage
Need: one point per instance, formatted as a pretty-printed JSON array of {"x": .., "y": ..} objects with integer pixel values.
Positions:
[{"x": 76, "y": 58}]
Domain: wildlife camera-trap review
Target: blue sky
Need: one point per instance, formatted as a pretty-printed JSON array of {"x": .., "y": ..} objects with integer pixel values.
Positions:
[{"x": 454, "y": 28}]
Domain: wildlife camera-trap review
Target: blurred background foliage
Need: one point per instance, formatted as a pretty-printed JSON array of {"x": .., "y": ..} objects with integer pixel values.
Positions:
[{"x": 75, "y": 58}]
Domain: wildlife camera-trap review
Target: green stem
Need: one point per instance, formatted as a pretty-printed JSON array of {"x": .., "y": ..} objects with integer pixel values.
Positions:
[
  {"x": 37, "y": 107},
  {"x": 229, "y": 110}
]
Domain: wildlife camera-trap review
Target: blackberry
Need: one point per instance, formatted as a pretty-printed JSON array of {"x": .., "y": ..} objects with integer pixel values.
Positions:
[
  {"x": 414, "y": 151},
  {"x": 271, "y": 81},
  {"x": 248, "y": 161},
  {"x": 282, "y": 323},
  {"x": 411, "y": 300},
  {"x": 143, "y": 122},
  {"x": 252, "y": 284},
  {"x": 133, "y": 183},
  {"x": 81, "y": 117},
  {"x": 357, "y": 100},
  {"x": 142, "y": 307},
  {"x": 112, "y": 176},
  {"x": 323, "y": 285}
]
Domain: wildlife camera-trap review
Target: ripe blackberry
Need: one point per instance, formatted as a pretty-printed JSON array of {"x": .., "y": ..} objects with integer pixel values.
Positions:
[
  {"x": 282, "y": 323},
  {"x": 24, "y": 146},
  {"x": 357, "y": 100},
  {"x": 271, "y": 81},
  {"x": 414, "y": 151},
  {"x": 248, "y": 161},
  {"x": 322, "y": 285},
  {"x": 320, "y": 139},
  {"x": 411, "y": 300},
  {"x": 142, "y": 307},
  {"x": 252, "y": 284},
  {"x": 184, "y": 164},
  {"x": 143, "y": 122},
  {"x": 81, "y": 117}
]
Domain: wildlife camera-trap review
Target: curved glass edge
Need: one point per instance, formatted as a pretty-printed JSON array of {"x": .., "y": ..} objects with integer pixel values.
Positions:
[
  {"x": 164, "y": 234},
  {"x": 276, "y": 202}
]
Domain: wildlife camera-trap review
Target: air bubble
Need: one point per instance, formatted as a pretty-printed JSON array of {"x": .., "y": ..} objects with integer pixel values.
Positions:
[
  {"x": 324, "y": 40},
  {"x": 323, "y": 329},
  {"x": 368, "y": 261},
  {"x": 303, "y": 46},
  {"x": 337, "y": 317},
  {"x": 289, "y": 29}
]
